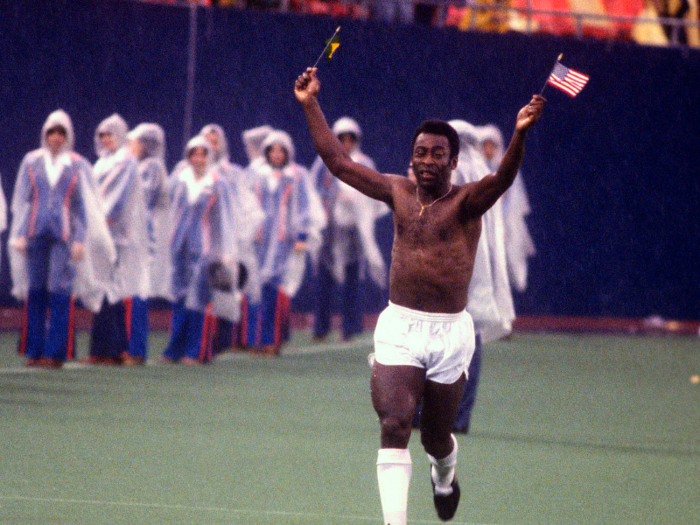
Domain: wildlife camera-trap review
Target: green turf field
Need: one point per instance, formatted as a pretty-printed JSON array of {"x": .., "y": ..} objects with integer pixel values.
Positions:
[{"x": 569, "y": 429}]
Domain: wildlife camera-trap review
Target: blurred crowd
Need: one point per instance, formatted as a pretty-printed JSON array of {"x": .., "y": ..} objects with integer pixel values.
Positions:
[
  {"x": 648, "y": 22},
  {"x": 225, "y": 247}
]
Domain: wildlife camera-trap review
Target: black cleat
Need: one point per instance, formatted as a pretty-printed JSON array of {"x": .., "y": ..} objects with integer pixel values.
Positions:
[{"x": 446, "y": 506}]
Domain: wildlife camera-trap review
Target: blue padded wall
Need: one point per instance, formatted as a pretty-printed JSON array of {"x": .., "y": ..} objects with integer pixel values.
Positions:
[{"x": 612, "y": 174}]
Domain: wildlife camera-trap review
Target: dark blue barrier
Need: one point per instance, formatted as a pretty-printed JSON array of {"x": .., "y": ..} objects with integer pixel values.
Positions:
[{"x": 612, "y": 174}]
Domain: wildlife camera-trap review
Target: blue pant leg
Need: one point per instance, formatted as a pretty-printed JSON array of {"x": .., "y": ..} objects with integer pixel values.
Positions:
[
  {"x": 38, "y": 263},
  {"x": 37, "y": 306},
  {"x": 352, "y": 309},
  {"x": 268, "y": 314},
  {"x": 138, "y": 340},
  {"x": 466, "y": 406},
  {"x": 195, "y": 336},
  {"x": 176, "y": 344},
  {"x": 121, "y": 341},
  {"x": 324, "y": 304},
  {"x": 250, "y": 336},
  {"x": 108, "y": 334},
  {"x": 59, "y": 319},
  {"x": 61, "y": 270},
  {"x": 100, "y": 332},
  {"x": 223, "y": 336}
]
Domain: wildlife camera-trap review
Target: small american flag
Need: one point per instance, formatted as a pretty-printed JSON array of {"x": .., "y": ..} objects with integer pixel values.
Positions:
[{"x": 569, "y": 81}]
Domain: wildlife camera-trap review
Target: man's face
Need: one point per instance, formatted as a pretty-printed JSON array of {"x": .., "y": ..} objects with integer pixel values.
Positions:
[
  {"x": 430, "y": 160},
  {"x": 55, "y": 138},
  {"x": 107, "y": 141}
]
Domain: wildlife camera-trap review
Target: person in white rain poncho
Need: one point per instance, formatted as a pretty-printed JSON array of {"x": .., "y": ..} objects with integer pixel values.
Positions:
[
  {"x": 294, "y": 217},
  {"x": 472, "y": 167},
  {"x": 60, "y": 247},
  {"x": 253, "y": 143},
  {"x": 250, "y": 216},
  {"x": 516, "y": 208},
  {"x": 348, "y": 241},
  {"x": 120, "y": 189},
  {"x": 147, "y": 144},
  {"x": 204, "y": 255},
  {"x": 489, "y": 302}
]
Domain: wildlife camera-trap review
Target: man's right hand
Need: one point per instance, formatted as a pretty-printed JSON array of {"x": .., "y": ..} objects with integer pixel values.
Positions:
[{"x": 307, "y": 85}]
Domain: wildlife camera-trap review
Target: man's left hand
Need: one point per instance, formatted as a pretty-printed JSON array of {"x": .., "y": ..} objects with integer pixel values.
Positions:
[{"x": 530, "y": 113}]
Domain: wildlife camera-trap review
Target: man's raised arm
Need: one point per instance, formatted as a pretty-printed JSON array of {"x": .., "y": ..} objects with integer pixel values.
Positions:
[
  {"x": 491, "y": 187},
  {"x": 334, "y": 155}
]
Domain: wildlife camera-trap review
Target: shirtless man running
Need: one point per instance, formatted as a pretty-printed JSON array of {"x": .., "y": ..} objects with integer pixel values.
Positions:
[{"x": 424, "y": 339}]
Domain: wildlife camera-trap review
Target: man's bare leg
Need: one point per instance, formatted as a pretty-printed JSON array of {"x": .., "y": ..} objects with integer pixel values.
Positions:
[
  {"x": 395, "y": 392},
  {"x": 438, "y": 415}
]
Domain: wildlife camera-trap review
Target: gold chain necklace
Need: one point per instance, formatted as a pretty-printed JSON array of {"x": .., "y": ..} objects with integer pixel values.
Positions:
[{"x": 423, "y": 207}]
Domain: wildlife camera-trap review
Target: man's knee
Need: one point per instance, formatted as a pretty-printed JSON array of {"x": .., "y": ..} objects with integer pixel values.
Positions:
[{"x": 395, "y": 431}]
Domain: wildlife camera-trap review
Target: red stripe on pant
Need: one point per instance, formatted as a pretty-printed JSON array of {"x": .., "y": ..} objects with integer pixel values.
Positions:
[
  {"x": 281, "y": 316},
  {"x": 240, "y": 336},
  {"x": 22, "y": 349},
  {"x": 70, "y": 351},
  {"x": 208, "y": 330},
  {"x": 128, "y": 306}
]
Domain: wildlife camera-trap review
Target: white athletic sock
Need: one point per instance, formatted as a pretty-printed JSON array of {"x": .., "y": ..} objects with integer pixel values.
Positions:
[
  {"x": 394, "y": 475},
  {"x": 443, "y": 471}
]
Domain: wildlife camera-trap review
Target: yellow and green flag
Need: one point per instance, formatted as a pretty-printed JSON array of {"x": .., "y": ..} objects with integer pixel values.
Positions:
[{"x": 331, "y": 45}]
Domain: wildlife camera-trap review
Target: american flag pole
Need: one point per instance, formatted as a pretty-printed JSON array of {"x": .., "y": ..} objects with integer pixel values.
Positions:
[{"x": 561, "y": 55}]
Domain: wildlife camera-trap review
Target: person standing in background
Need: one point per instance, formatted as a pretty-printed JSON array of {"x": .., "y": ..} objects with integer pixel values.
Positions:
[
  {"x": 294, "y": 217},
  {"x": 489, "y": 300},
  {"x": 59, "y": 243},
  {"x": 473, "y": 167},
  {"x": 147, "y": 143},
  {"x": 250, "y": 216},
  {"x": 121, "y": 191},
  {"x": 348, "y": 240},
  {"x": 203, "y": 244},
  {"x": 253, "y": 139},
  {"x": 516, "y": 207}
]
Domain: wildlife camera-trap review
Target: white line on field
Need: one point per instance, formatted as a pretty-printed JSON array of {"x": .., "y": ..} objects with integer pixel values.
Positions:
[{"x": 165, "y": 506}]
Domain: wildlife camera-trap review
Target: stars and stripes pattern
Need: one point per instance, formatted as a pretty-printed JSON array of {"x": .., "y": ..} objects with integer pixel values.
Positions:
[{"x": 566, "y": 79}]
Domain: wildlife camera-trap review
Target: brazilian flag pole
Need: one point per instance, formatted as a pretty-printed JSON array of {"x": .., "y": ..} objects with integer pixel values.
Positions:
[{"x": 331, "y": 45}]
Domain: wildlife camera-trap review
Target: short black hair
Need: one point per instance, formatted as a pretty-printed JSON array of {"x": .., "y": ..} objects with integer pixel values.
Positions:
[
  {"x": 350, "y": 134},
  {"x": 439, "y": 127},
  {"x": 57, "y": 128}
]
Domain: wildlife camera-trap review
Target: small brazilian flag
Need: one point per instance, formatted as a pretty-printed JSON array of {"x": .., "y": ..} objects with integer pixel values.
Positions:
[{"x": 331, "y": 45}]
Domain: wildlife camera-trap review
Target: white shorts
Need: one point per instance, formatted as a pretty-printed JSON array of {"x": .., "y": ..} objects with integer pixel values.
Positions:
[{"x": 443, "y": 344}]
